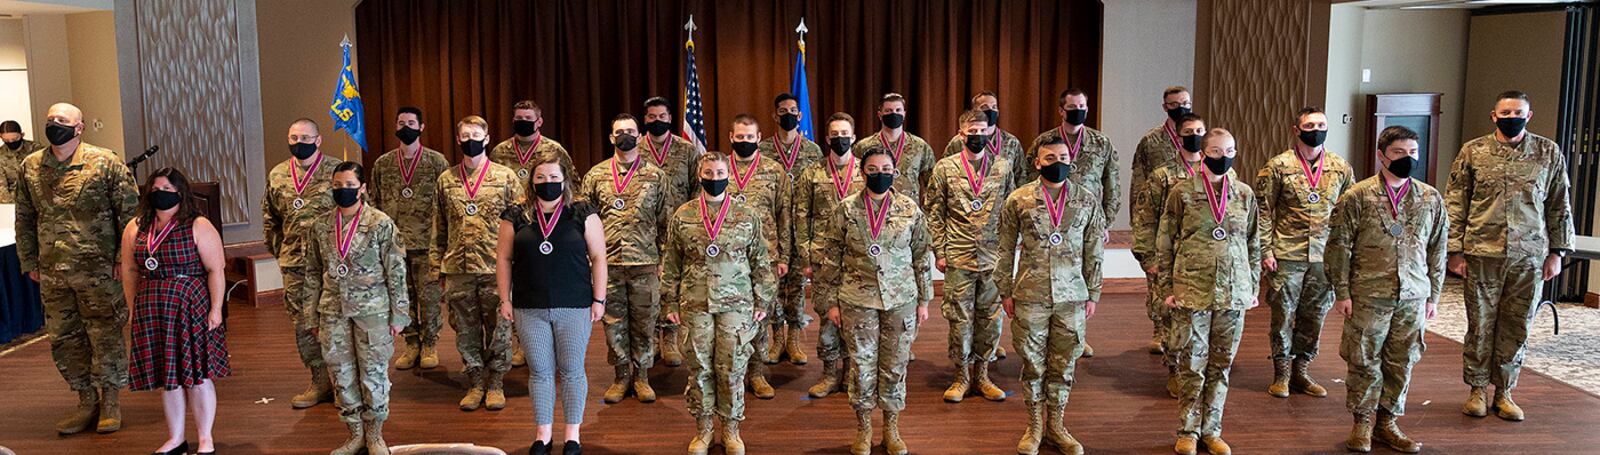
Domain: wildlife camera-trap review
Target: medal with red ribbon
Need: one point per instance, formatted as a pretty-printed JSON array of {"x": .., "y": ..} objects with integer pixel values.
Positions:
[
  {"x": 523, "y": 155},
  {"x": 975, "y": 180},
  {"x": 788, "y": 156},
  {"x": 407, "y": 170},
  {"x": 152, "y": 241},
  {"x": 840, "y": 187},
  {"x": 472, "y": 186},
  {"x": 876, "y": 219},
  {"x": 1313, "y": 177},
  {"x": 659, "y": 153},
  {"x": 712, "y": 227},
  {"x": 547, "y": 226},
  {"x": 1073, "y": 148},
  {"x": 343, "y": 237},
  {"x": 620, "y": 181},
  {"x": 1058, "y": 210},
  {"x": 750, "y": 172},
  {"x": 1219, "y": 207},
  {"x": 302, "y": 181},
  {"x": 1177, "y": 144},
  {"x": 1394, "y": 205}
]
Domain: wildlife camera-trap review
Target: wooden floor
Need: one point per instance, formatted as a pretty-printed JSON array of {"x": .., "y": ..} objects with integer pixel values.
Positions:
[{"x": 1119, "y": 405}]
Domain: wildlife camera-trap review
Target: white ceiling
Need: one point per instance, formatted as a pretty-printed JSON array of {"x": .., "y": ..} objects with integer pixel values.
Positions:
[
  {"x": 1449, "y": 4},
  {"x": 26, "y": 7}
]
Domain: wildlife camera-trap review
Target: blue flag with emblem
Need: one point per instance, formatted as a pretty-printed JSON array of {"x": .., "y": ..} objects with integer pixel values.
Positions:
[
  {"x": 346, "y": 107},
  {"x": 798, "y": 85}
]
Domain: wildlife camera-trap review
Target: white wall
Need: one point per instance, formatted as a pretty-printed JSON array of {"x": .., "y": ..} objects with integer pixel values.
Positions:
[
  {"x": 14, "y": 75},
  {"x": 92, "y": 55},
  {"x": 47, "y": 60}
]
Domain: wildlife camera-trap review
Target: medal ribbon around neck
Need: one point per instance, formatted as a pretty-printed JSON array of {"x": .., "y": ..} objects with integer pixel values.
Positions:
[
  {"x": 789, "y": 155},
  {"x": 524, "y": 155},
  {"x": 620, "y": 182},
  {"x": 658, "y": 153},
  {"x": 300, "y": 183},
  {"x": 406, "y": 171},
  {"x": 742, "y": 180},
  {"x": 898, "y": 149},
  {"x": 975, "y": 180},
  {"x": 1218, "y": 210},
  {"x": 875, "y": 220},
  {"x": 341, "y": 235},
  {"x": 1314, "y": 178},
  {"x": 841, "y": 187},
  {"x": 1074, "y": 147},
  {"x": 473, "y": 186},
  {"x": 152, "y": 242},
  {"x": 1396, "y": 196},
  {"x": 713, "y": 228},
  {"x": 1177, "y": 144},
  {"x": 548, "y": 226},
  {"x": 1057, "y": 206}
]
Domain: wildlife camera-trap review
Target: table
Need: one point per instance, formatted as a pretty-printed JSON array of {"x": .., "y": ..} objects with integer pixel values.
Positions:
[
  {"x": 21, "y": 312},
  {"x": 1584, "y": 248}
]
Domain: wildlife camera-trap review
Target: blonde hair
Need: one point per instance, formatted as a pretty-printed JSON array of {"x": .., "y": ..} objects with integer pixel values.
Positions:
[{"x": 473, "y": 120}]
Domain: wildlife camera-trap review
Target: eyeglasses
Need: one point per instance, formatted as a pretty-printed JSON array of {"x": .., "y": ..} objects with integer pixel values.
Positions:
[{"x": 300, "y": 138}]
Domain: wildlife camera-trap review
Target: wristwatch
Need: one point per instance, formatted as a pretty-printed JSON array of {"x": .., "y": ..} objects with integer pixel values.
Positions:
[{"x": 602, "y": 302}]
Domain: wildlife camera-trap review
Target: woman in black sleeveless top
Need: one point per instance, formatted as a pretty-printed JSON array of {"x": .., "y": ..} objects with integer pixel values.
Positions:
[{"x": 551, "y": 272}]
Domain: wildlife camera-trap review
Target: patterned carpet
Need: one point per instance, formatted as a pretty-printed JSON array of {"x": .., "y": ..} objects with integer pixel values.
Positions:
[{"x": 1573, "y": 357}]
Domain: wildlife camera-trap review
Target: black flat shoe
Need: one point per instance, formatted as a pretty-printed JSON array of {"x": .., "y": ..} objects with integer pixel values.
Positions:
[
  {"x": 571, "y": 448},
  {"x": 539, "y": 448},
  {"x": 181, "y": 449}
]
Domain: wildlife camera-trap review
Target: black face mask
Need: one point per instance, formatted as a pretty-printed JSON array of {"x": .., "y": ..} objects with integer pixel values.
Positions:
[
  {"x": 471, "y": 148},
  {"x": 744, "y": 149},
  {"x": 1177, "y": 113},
  {"x": 346, "y": 197},
  {"x": 840, "y": 145},
  {"x": 625, "y": 142},
  {"x": 1219, "y": 166},
  {"x": 893, "y": 121},
  {"x": 788, "y": 121},
  {"x": 976, "y": 142},
  {"x": 164, "y": 200},
  {"x": 548, "y": 191},
  {"x": 994, "y": 116},
  {"x": 301, "y": 150},
  {"x": 1054, "y": 172},
  {"x": 1076, "y": 117},
  {"x": 657, "y": 128},
  {"x": 524, "y": 128},
  {"x": 1191, "y": 143},
  {"x": 59, "y": 134},
  {"x": 1402, "y": 167},
  {"x": 880, "y": 182},
  {"x": 17, "y": 144},
  {"x": 407, "y": 135},
  {"x": 1313, "y": 138},
  {"x": 714, "y": 188},
  {"x": 1510, "y": 127}
]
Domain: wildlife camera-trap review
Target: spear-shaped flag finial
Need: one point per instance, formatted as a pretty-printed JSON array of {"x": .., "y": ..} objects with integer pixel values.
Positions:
[
  {"x": 346, "y": 41},
  {"x": 802, "y": 30},
  {"x": 690, "y": 27}
]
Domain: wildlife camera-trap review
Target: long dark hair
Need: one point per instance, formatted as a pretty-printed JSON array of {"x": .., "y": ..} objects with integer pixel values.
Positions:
[{"x": 188, "y": 210}]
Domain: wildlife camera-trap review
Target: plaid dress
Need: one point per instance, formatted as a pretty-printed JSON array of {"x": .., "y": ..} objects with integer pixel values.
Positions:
[{"x": 171, "y": 345}]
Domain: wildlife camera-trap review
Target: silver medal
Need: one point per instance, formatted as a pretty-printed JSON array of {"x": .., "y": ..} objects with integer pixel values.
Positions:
[
  {"x": 1055, "y": 238},
  {"x": 713, "y": 251},
  {"x": 1219, "y": 233},
  {"x": 298, "y": 203},
  {"x": 874, "y": 250},
  {"x": 1314, "y": 198},
  {"x": 977, "y": 205},
  {"x": 522, "y": 173},
  {"x": 406, "y": 193},
  {"x": 546, "y": 248},
  {"x": 151, "y": 264},
  {"x": 1396, "y": 229},
  {"x": 343, "y": 270},
  {"x": 472, "y": 209},
  {"x": 618, "y": 204},
  {"x": 738, "y": 198}
]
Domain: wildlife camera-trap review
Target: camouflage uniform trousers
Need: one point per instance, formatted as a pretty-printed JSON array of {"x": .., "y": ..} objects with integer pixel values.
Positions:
[
  {"x": 1048, "y": 337},
  {"x": 972, "y": 305},
  {"x": 879, "y": 343},
  {"x": 303, "y": 313},
  {"x": 482, "y": 337},
  {"x": 630, "y": 320},
  {"x": 84, "y": 316},
  {"x": 1206, "y": 343},
  {"x": 1382, "y": 341},
  {"x": 1501, "y": 295},
  {"x": 791, "y": 309},
  {"x": 1155, "y": 307},
  {"x": 425, "y": 293},
  {"x": 719, "y": 349},
  {"x": 357, "y": 351},
  {"x": 830, "y": 344},
  {"x": 1300, "y": 297}
]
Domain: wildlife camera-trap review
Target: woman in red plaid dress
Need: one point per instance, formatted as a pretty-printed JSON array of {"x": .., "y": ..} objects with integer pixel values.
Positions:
[{"x": 172, "y": 265}]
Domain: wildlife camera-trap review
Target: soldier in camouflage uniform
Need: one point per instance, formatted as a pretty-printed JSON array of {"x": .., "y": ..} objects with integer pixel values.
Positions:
[
  {"x": 72, "y": 203},
  {"x": 13, "y": 149},
  {"x": 466, "y": 224},
  {"x": 405, "y": 186},
  {"x": 964, "y": 197},
  {"x": 298, "y": 195},
  {"x": 630, "y": 193},
  {"x": 517, "y": 154},
  {"x": 1510, "y": 226},
  {"x": 1001, "y": 142},
  {"x": 1148, "y": 207},
  {"x": 1386, "y": 259},
  {"x": 1298, "y": 189},
  {"x": 760, "y": 183},
  {"x": 1208, "y": 254},
  {"x": 876, "y": 268},
  {"x": 796, "y": 153},
  {"x": 356, "y": 274},
  {"x": 1053, "y": 291},
  {"x": 817, "y": 193},
  {"x": 1092, "y": 161},
  {"x": 676, "y": 158},
  {"x": 717, "y": 282},
  {"x": 1159, "y": 149},
  {"x": 913, "y": 157}
]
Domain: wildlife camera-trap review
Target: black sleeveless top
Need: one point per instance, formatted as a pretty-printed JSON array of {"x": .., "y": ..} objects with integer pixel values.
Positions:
[{"x": 559, "y": 279}]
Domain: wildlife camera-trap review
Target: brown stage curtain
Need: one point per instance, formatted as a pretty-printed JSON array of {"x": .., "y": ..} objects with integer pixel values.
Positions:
[{"x": 586, "y": 61}]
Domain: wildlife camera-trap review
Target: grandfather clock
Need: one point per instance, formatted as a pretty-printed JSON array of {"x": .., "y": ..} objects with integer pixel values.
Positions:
[{"x": 1418, "y": 111}]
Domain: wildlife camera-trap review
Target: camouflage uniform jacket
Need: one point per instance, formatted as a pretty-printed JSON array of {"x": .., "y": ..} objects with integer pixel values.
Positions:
[
  {"x": 1095, "y": 167},
  {"x": 815, "y": 199},
  {"x": 375, "y": 284},
  {"x": 900, "y": 275},
  {"x": 964, "y": 237},
  {"x": 1365, "y": 259},
  {"x": 1045, "y": 271},
  {"x": 767, "y": 194},
  {"x": 1293, "y": 227},
  {"x": 1009, "y": 146},
  {"x": 1507, "y": 200},
  {"x": 677, "y": 162},
  {"x": 505, "y": 154},
  {"x": 634, "y": 231},
  {"x": 464, "y": 242},
  {"x": 912, "y": 166},
  {"x": 1199, "y": 271},
  {"x": 284, "y": 225},
  {"x": 71, "y": 215},
  {"x": 414, "y": 214},
  {"x": 1156, "y": 150},
  {"x": 739, "y": 278},
  {"x": 11, "y": 167}
]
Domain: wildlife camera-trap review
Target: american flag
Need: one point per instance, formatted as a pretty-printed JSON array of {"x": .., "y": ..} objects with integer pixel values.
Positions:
[{"x": 694, "y": 120}]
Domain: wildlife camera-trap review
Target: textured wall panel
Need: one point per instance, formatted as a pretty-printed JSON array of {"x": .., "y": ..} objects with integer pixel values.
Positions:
[
  {"x": 1258, "y": 74},
  {"x": 193, "y": 104}
]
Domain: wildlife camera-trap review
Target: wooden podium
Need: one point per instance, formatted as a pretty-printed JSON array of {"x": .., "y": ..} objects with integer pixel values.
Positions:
[{"x": 1418, "y": 111}]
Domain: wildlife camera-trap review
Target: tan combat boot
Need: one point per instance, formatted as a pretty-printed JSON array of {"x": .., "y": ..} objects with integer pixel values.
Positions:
[
  {"x": 1301, "y": 380},
  {"x": 86, "y": 413},
  {"x": 958, "y": 388},
  {"x": 641, "y": 386},
  {"x": 619, "y": 385},
  {"x": 408, "y": 359},
  {"x": 829, "y": 382},
  {"x": 517, "y": 357},
  {"x": 1216, "y": 446},
  {"x": 760, "y": 387},
  {"x": 1055, "y": 430},
  {"x": 1504, "y": 407},
  {"x": 702, "y": 436},
  {"x": 1388, "y": 432},
  {"x": 110, "y": 412},
  {"x": 1174, "y": 387},
  {"x": 774, "y": 345},
  {"x": 474, "y": 397},
  {"x": 1185, "y": 445},
  {"x": 1360, "y": 439},
  {"x": 791, "y": 347},
  {"x": 986, "y": 387},
  {"x": 670, "y": 354},
  {"x": 1029, "y": 444},
  {"x": 374, "y": 437},
  {"x": 1155, "y": 346},
  {"x": 356, "y": 442},
  {"x": 494, "y": 398},
  {"x": 999, "y": 352},
  {"x": 430, "y": 357},
  {"x": 1280, "y": 379},
  {"x": 320, "y": 391},
  {"x": 731, "y": 444},
  {"x": 863, "y": 442},
  {"x": 1088, "y": 351},
  {"x": 1477, "y": 405},
  {"x": 891, "y": 434}
]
